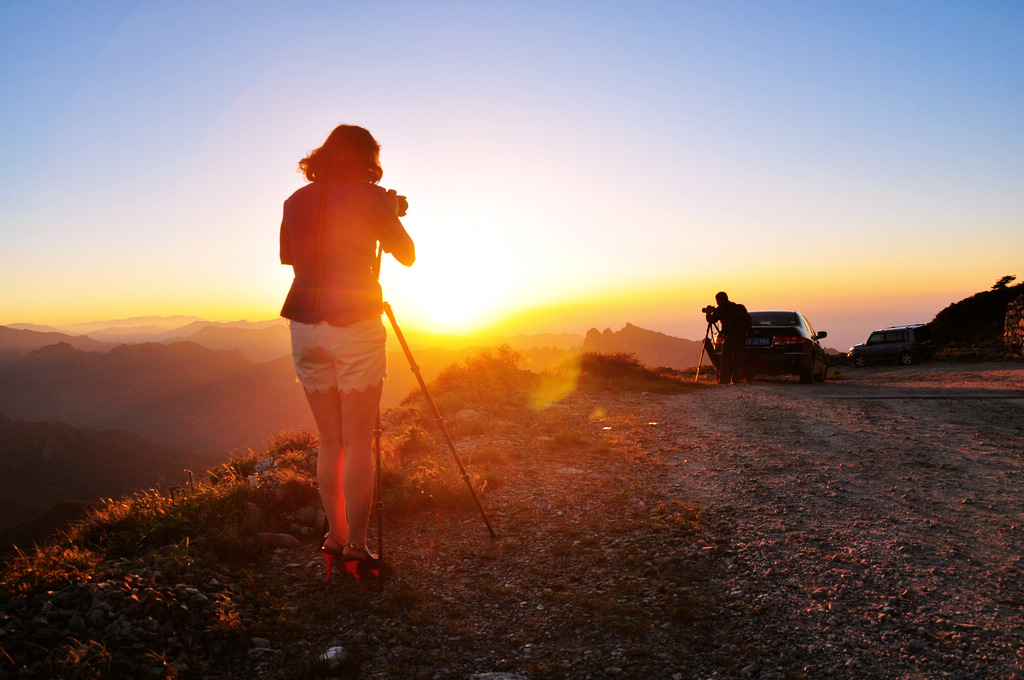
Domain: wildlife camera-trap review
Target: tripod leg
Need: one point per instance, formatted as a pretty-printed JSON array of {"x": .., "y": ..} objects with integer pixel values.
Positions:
[
  {"x": 379, "y": 494},
  {"x": 696, "y": 376},
  {"x": 703, "y": 349},
  {"x": 437, "y": 413}
]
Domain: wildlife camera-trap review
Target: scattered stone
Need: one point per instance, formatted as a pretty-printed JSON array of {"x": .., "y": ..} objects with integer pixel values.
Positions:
[
  {"x": 334, "y": 656},
  {"x": 274, "y": 540},
  {"x": 306, "y": 515}
]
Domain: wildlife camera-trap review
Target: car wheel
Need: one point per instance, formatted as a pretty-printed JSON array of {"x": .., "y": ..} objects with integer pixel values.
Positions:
[
  {"x": 824, "y": 372},
  {"x": 807, "y": 374},
  {"x": 906, "y": 358},
  {"x": 859, "y": 360}
]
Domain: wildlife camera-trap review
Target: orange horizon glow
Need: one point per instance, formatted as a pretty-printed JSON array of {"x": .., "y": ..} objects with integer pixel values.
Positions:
[{"x": 446, "y": 313}]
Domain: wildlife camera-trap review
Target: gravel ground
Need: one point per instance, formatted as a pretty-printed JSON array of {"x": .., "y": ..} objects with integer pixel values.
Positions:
[
  {"x": 866, "y": 527},
  {"x": 876, "y": 519}
]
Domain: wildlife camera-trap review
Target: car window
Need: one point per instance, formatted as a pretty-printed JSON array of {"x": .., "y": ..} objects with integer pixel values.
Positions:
[
  {"x": 774, "y": 319},
  {"x": 876, "y": 338},
  {"x": 807, "y": 323}
]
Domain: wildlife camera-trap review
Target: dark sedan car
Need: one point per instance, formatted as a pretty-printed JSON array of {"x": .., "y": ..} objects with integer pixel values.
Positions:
[{"x": 782, "y": 343}]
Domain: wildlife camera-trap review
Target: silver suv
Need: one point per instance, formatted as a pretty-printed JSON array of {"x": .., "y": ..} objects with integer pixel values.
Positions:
[{"x": 906, "y": 344}]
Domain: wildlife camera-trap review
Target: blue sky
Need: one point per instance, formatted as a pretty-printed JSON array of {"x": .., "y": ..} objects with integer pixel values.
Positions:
[{"x": 568, "y": 165}]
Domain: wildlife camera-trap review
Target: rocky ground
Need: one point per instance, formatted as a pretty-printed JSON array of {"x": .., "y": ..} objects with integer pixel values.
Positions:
[{"x": 867, "y": 527}]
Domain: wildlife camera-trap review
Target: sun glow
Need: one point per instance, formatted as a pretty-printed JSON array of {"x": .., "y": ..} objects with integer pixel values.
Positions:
[
  {"x": 465, "y": 279},
  {"x": 446, "y": 295},
  {"x": 446, "y": 305}
]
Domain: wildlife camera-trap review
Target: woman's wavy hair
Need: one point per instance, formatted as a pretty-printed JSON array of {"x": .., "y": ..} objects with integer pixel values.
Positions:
[{"x": 350, "y": 153}]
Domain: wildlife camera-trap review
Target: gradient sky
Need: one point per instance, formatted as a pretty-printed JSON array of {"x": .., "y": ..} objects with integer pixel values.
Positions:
[{"x": 568, "y": 165}]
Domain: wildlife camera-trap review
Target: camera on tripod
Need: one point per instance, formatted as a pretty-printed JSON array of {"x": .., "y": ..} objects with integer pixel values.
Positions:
[{"x": 708, "y": 312}]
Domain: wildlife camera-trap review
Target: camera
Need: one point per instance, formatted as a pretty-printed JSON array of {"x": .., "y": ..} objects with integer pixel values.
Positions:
[
  {"x": 398, "y": 202},
  {"x": 710, "y": 309}
]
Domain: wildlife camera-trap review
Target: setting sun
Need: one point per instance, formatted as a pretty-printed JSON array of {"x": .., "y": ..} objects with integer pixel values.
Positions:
[{"x": 444, "y": 302}]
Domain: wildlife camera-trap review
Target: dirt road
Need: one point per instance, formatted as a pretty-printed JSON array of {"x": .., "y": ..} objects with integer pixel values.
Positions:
[{"x": 875, "y": 520}]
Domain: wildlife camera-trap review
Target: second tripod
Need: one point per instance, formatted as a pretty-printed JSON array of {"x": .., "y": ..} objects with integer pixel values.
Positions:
[{"x": 708, "y": 347}]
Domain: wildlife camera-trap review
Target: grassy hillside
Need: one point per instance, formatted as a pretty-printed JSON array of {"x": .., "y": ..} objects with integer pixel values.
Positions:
[{"x": 977, "y": 320}]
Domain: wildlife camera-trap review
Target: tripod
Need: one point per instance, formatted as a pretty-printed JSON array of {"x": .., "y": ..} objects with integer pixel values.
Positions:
[
  {"x": 437, "y": 418},
  {"x": 378, "y": 495},
  {"x": 708, "y": 348}
]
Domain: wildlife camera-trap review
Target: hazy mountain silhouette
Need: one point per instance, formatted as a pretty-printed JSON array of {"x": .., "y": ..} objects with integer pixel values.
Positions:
[
  {"x": 47, "y": 462},
  {"x": 239, "y": 410},
  {"x": 209, "y": 400},
  {"x": 16, "y": 343},
  {"x": 36, "y": 328},
  {"x": 650, "y": 347},
  {"x": 158, "y": 333},
  {"x": 133, "y": 334},
  {"x": 257, "y": 344},
  {"x": 61, "y": 383},
  {"x": 164, "y": 322}
]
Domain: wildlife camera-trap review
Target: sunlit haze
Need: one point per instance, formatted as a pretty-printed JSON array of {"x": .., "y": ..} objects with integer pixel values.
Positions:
[{"x": 568, "y": 165}]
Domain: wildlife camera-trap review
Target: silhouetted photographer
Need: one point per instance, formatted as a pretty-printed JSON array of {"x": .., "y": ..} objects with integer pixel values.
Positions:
[{"x": 735, "y": 321}]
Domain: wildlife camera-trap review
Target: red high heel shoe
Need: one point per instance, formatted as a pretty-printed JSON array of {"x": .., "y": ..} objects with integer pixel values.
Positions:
[
  {"x": 368, "y": 565},
  {"x": 331, "y": 553}
]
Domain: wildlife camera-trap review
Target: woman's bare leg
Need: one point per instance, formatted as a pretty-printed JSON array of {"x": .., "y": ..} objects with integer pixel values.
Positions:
[
  {"x": 358, "y": 420},
  {"x": 327, "y": 413}
]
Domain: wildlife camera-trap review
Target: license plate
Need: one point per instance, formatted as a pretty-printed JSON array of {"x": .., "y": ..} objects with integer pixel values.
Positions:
[{"x": 759, "y": 342}]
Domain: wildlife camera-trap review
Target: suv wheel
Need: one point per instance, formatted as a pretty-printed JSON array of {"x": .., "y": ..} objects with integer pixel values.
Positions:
[
  {"x": 906, "y": 358},
  {"x": 859, "y": 361}
]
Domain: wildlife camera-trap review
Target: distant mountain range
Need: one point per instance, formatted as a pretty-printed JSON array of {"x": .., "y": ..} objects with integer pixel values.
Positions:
[
  {"x": 158, "y": 323},
  {"x": 257, "y": 340},
  {"x": 228, "y": 386},
  {"x": 15, "y": 343},
  {"x": 61, "y": 383}
]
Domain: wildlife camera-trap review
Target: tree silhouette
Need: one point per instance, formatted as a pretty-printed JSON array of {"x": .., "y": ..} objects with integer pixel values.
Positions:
[{"x": 1003, "y": 282}]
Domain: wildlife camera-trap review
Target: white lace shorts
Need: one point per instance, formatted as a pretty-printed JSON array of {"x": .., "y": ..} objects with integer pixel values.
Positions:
[{"x": 346, "y": 358}]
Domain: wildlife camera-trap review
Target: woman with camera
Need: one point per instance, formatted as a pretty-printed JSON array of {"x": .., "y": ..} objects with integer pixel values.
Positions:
[{"x": 329, "y": 235}]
